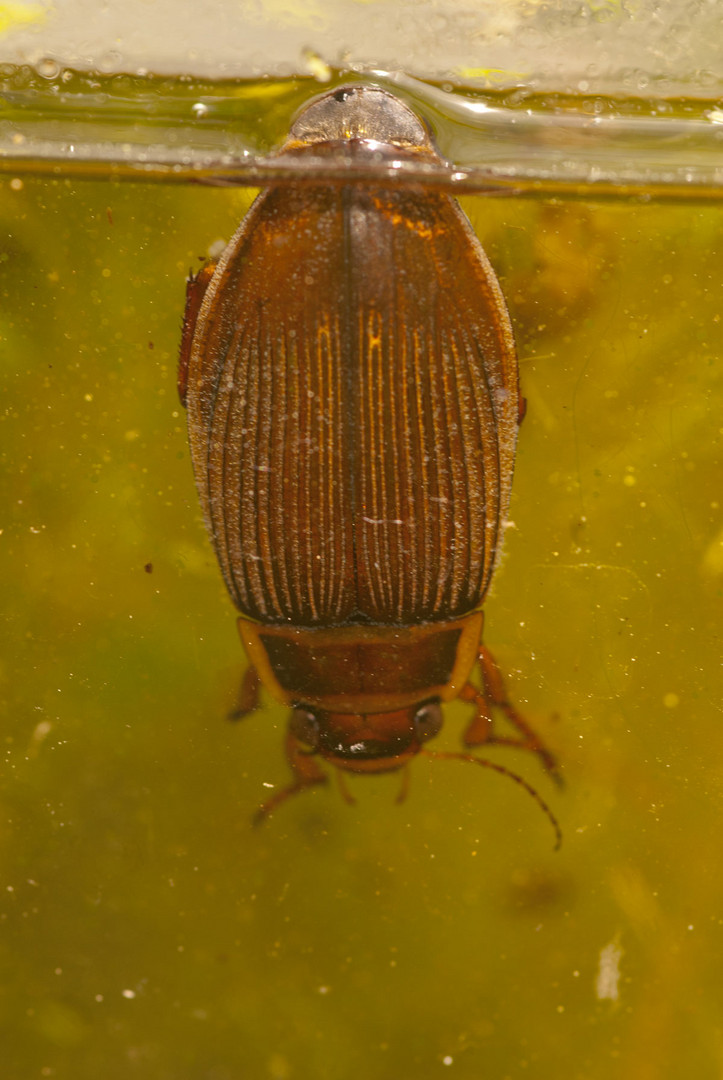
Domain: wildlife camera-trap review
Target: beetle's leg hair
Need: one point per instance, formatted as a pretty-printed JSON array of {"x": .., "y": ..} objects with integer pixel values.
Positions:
[
  {"x": 248, "y": 694},
  {"x": 306, "y": 773},
  {"x": 493, "y": 695}
]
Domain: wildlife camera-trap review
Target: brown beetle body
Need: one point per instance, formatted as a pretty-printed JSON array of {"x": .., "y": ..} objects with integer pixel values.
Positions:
[{"x": 352, "y": 390}]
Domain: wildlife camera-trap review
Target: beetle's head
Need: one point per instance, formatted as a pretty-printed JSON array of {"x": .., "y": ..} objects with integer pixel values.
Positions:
[{"x": 367, "y": 742}]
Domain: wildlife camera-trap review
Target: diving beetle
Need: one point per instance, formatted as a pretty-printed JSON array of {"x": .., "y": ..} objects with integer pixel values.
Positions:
[{"x": 350, "y": 375}]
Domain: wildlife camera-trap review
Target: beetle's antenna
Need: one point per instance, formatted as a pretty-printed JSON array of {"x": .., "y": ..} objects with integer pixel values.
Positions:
[{"x": 459, "y": 756}]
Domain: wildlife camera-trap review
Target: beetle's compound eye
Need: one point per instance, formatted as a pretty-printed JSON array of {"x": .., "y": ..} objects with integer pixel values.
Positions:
[
  {"x": 305, "y": 726},
  {"x": 428, "y": 721}
]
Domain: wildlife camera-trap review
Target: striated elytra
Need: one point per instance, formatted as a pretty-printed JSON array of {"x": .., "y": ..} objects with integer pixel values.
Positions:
[{"x": 353, "y": 400}]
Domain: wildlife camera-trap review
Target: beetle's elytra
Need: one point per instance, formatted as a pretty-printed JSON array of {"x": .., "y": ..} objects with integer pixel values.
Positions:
[{"x": 353, "y": 401}]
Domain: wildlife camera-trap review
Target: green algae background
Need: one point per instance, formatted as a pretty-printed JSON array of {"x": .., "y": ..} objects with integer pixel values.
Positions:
[{"x": 146, "y": 930}]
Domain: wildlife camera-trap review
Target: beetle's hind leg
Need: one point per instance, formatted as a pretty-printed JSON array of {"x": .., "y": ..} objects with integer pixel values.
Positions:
[
  {"x": 491, "y": 696},
  {"x": 248, "y": 694},
  {"x": 195, "y": 291}
]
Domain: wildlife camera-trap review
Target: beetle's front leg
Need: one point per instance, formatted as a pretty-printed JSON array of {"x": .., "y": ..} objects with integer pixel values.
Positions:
[
  {"x": 493, "y": 695},
  {"x": 248, "y": 695},
  {"x": 305, "y": 769},
  {"x": 306, "y": 773}
]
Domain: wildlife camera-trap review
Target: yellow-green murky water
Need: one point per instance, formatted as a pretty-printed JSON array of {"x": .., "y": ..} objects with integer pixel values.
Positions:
[{"x": 147, "y": 931}]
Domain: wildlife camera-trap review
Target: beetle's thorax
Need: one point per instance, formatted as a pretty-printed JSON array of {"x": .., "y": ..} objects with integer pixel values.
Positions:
[{"x": 364, "y": 669}]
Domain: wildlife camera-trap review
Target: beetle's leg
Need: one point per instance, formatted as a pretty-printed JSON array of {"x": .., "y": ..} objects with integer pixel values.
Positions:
[
  {"x": 195, "y": 290},
  {"x": 248, "y": 694},
  {"x": 404, "y": 786},
  {"x": 305, "y": 770},
  {"x": 344, "y": 788},
  {"x": 493, "y": 695}
]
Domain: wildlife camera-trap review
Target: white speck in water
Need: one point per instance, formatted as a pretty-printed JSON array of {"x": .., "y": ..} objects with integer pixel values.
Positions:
[
  {"x": 608, "y": 974},
  {"x": 130, "y": 994},
  {"x": 41, "y": 730}
]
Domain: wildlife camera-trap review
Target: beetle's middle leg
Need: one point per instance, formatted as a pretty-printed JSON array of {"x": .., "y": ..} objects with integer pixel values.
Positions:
[{"x": 491, "y": 696}]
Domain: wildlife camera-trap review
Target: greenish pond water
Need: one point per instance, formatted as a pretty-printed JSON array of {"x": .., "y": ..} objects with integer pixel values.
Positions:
[{"x": 146, "y": 930}]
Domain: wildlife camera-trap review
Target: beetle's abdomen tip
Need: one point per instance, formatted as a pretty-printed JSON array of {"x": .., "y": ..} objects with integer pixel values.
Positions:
[{"x": 360, "y": 112}]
